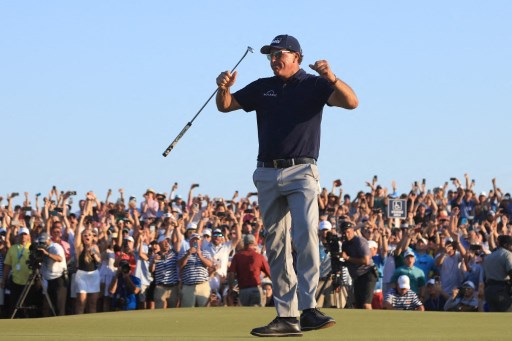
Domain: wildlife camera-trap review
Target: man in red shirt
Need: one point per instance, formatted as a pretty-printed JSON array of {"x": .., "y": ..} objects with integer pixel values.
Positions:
[{"x": 247, "y": 266}]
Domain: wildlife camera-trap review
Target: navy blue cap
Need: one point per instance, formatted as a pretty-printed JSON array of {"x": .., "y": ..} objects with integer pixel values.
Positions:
[{"x": 283, "y": 41}]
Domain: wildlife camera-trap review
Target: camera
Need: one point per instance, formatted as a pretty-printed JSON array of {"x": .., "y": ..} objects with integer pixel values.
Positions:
[
  {"x": 36, "y": 255},
  {"x": 124, "y": 266},
  {"x": 72, "y": 192},
  {"x": 15, "y": 194},
  {"x": 333, "y": 246}
]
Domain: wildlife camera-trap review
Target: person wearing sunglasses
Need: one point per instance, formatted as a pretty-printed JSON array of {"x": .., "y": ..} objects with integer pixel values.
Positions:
[{"x": 289, "y": 109}]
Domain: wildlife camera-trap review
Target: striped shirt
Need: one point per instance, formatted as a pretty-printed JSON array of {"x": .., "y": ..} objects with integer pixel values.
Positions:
[
  {"x": 195, "y": 272},
  {"x": 166, "y": 270},
  {"x": 408, "y": 301}
]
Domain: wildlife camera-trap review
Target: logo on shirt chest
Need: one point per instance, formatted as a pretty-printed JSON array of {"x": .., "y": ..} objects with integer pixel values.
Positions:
[{"x": 270, "y": 93}]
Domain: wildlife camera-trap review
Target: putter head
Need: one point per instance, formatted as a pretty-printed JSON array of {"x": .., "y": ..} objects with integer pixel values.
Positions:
[{"x": 250, "y": 49}]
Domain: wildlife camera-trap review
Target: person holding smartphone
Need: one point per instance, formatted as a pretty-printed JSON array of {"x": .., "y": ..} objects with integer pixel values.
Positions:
[{"x": 193, "y": 265}]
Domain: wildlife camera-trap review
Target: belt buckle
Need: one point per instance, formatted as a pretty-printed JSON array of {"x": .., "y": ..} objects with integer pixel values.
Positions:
[{"x": 274, "y": 163}]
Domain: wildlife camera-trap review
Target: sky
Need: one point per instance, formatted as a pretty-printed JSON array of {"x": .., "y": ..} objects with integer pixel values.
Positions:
[{"x": 92, "y": 92}]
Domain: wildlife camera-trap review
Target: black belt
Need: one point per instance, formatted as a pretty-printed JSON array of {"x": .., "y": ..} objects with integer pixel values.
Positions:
[{"x": 285, "y": 163}]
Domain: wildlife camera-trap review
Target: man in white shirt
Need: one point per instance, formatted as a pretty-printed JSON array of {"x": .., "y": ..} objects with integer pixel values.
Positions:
[{"x": 54, "y": 271}]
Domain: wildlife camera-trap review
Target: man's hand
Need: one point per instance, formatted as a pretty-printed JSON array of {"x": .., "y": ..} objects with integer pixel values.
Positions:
[
  {"x": 323, "y": 69},
  {"x": 226, "y": 80}
]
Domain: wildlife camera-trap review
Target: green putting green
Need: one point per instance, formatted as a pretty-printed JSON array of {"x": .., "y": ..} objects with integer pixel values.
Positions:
[{"x": 235, "y": 323}]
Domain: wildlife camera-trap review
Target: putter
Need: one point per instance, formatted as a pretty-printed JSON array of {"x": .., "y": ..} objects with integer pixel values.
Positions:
[{"x": 189, "y": 124}]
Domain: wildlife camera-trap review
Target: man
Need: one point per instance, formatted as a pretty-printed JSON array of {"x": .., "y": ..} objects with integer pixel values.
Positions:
[
  {"x": 334, "y": 293},
  {"x": 358, "y": 259},
  {"x": 124, "y": 288},
  {"x": 164, "y": 265},
  {"x": 424, "y": 261},
  {"x": 289, "y": 112},
  {"x": 436, "y": 297},
  {"x": 463, "y": 300},
  {"x": 193, "y": 265},
  {"x": 54, "y": 271},
  {"x": 16, "y": 261},
  {"x": 415, "y": 274},
  {"x": 448, "y": 261},
  {"x": 402, "y": 298},
  {"x": 498, "y": 274},
  {"x": 220, "y": 256},
  {"x": 247, "y": 266}
]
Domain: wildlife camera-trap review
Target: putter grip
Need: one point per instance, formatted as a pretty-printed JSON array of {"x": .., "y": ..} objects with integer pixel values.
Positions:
[{"x": 180, "y": 135}]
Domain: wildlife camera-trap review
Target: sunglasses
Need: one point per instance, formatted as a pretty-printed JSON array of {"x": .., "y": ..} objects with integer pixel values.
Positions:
[{"x": 277, "y": 54}]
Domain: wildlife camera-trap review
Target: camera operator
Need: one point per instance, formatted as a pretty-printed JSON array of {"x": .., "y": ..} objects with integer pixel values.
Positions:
[
  {"x": 331, "y": 293},
  {"x": 358, "y": 259},
  {"x": 54, "y": 271},
  {"x": 124, "y": 288},
  {"x": 498, "y": 276}
]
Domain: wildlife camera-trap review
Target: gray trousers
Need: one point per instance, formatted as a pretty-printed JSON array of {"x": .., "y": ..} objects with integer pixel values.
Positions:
[
  {"x": 288, "y": 200},
  {"x": 250, "y": 297}
]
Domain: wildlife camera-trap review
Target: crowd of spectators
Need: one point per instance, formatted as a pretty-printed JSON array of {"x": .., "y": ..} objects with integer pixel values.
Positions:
[{"x": 168, "y": 252}]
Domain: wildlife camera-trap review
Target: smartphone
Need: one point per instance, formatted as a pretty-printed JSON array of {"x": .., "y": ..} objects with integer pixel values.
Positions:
[
  {"x": 195, "y": 244},
  {"x": 453, "y": 179},
  {"x": 375, "y": 178},
  {"x": 58, "y": 209},
  {"x": 424, "y": 181},
  {"x": 220, "y": 214},
  {"x": 250, "y": 210},
  {"x": 72, "y": 192},
  {"x": 337, "y": 183},
  {"x": 475, "y": 247},
  {"x": 25, "y": 209},
  {"x": 415, "y": 183}
]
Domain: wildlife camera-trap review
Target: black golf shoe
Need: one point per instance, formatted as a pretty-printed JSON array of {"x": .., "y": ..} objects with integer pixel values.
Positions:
[
  {"x": 312, "y": 319},
  {"x": 279, "y": 327}
]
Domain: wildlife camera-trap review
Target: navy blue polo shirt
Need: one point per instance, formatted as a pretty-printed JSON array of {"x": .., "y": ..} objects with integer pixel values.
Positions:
[{"x": 288, "y": 113}]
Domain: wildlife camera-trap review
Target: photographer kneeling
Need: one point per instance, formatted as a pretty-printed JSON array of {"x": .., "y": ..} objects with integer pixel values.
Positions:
[
  {"x": 54, "y": 271},
  {"x": 124, "y": 288},
  {"x": 463, "y": 299},
  {"x": 358, "y": 259}
]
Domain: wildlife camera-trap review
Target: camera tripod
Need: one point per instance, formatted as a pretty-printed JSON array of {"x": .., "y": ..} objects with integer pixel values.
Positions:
[
  {"x": 338, "y": 285},
  {"x": 34, "y": 276}
]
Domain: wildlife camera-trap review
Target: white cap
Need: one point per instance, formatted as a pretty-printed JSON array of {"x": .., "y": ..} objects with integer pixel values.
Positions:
[
  {"x": 431, "y": 281},
  {"x": 469, "y": 284},
  {"x": 408, "y": 253},
  {"x": 130, "y": 239},
  {"x": 403, "y": 282},
  {"x": 207, "y": 232},
  {"x": 23, "y": 230},
  {"x": 162, "y": 238},
  {"x": 325, "y": 225},
  {"x": 372, "y": 244},
  {"x": 192, "y": 226}
]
